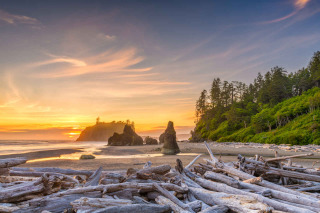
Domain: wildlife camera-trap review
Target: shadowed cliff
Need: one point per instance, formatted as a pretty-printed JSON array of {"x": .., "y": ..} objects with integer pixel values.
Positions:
[{"x": 101, "y": 131}]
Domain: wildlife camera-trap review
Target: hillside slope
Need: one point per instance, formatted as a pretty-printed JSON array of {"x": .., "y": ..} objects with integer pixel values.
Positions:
[{"x": 293, "y": 121}]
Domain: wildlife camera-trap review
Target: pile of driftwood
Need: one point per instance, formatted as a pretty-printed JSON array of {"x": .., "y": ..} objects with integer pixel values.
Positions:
[{"x": 248, "y": 185}]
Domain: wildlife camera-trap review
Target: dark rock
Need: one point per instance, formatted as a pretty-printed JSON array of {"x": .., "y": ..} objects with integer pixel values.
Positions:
[
  {"x": 127, "y": 138},
  {"x": 150, "y": 141},
  {"x": 85, "y": 157},
  {"x": 170, "y": 146},
  {"x": 161, "y": 138}
]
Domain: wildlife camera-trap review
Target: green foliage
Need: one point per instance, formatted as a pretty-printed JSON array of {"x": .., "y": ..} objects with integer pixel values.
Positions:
[
  {"x": 222, "y": 130},
  {"x": 277, "y": 108}
]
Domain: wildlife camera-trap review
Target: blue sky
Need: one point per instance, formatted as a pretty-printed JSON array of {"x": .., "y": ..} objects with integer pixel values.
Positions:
[{"x": 63, "y": 63}]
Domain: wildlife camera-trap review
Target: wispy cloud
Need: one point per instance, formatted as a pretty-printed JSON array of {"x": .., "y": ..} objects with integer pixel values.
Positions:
[
  {"x": 109, "y": 61},
  {"x": 159, "y": 83},
  {"x": 72, "y": 61},
  {"x": 107, "y": 37},
  {"x": 298, "y": 5},
  {"x": 14, "y": 19}
]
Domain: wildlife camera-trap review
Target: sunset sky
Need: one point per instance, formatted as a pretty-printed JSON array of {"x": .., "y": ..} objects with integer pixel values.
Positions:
[{"x": 64, "y": 63}]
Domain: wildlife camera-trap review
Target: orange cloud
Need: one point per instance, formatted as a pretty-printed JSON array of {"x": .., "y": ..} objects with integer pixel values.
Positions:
[
  {"x": 298, "y": 4},
  {"x": 72, "y": 61},
  {"x": 116, "y": 61}
]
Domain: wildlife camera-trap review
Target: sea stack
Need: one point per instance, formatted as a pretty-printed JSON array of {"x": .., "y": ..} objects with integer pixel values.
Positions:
[
  {"x": 170, "y": 146},
  {"x": 150, "y": 141},
  {"x": 127, "y": 138}
]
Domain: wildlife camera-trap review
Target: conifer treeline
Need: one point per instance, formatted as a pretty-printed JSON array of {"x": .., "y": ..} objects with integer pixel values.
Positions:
[{"x": 237, "y": 102}]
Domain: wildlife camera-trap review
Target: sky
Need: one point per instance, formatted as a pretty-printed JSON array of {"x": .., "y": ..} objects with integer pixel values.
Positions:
[{"x": 64, "y": 63}]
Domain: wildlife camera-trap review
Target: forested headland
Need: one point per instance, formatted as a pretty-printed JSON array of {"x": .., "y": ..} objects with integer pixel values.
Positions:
[{"x": 279, "y": 107}]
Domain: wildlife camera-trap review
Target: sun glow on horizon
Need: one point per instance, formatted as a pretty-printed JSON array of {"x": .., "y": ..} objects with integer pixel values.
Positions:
[{"x": 112, "y": 59}]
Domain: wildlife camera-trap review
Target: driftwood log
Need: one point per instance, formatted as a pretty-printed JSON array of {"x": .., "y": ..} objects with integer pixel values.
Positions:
[{"x": 248, "y": 185}]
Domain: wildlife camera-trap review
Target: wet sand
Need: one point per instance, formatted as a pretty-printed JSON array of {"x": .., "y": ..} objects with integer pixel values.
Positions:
[{"x": 121, "y": 158}]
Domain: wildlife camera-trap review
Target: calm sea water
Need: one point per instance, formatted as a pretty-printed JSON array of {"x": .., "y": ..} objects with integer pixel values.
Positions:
[
  {"x": 84, "y": 147},
  {"x": 8, "y": 147}
]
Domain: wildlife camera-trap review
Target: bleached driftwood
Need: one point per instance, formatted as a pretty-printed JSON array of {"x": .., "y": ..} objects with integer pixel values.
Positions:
[
  {"x": 165, "y": 201},
  {"x": 245, "y": 176},
  {"x": 215, "y": 209},
  {"x": 54, "y": 204},
  {"x": 285, "y": 173},
  {"x": 288, "y": 157},
  {"x": 193, "y": 161},
  {"x": 8, "y": 209},
  {"x": 85, "y": 203},
  {"x": 222, "y": 178},
  {"x": 94, "y": 178},
  {"x": 225, "y": 188},
  {"x": 10, "y": 162},
  {"x": 54, "y": 170},
  {"x": 308, "y": 204},
  {"x": 237, "y": 203},
  {"x": 9, "y": 179},
  {"x": 154, "y": 208},
  {"x": 46, "y": 184},
  {"x": 175, "y": 200},
  {"x": 39, "y": 174},
  {"x": 160, "y": 170}
]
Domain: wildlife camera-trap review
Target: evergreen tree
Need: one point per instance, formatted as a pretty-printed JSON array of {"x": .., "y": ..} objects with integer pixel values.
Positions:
[
  {"x": 215, "y": 92},
  {"x": 314, "y": 67}
]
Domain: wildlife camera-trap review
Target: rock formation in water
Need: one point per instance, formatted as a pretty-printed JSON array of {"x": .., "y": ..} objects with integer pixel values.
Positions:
[
  {"x": 170, "y": 146},
  {"x": 161, "y": 138},
  {"x": 101, "y": 131},
  {"x": 127, "y": 138},
  {"x": 150, "y": 141}
]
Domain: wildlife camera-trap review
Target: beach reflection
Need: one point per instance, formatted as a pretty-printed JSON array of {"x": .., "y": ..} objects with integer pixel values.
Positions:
[{"x": 20, "y": 147}]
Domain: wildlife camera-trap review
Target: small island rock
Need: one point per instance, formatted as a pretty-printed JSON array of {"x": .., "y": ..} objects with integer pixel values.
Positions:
[
  {"x": 170, "y": 146},
  {"x": 150, "y": 141},
  {"x": 101, "y": 131},
  {"x": 127, "y": 138}
]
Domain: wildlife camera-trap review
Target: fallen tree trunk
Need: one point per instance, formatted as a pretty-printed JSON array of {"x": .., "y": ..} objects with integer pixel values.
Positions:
[
  {"x": 10, "y": 162},
  {"x": 39, "y": 174},
  {"x": 222, "y": 178},
  {"x": 227, "y": 189},
  {"x": 192, "y": 162},
  {"x": 55, "y": 204},
  {"x": 215, "y": 209},
  {"x": 54, "y": 170},
  {"x": 46, "y": 185},
  {"x": 165, "y": 201},
  {"x": 160, "y": 170},
  {"x": 285, "y": 173},
  {"x": 85, "y": 203},
  {"x": 154, "y": 208},
  {"x": 167, "y": 194},
  {"x": 288, "y": 157},
  {"x": 10, "y": 179},
  {"x": 237, "y": 203},
  {"x": 94, "y": 178},
  {"x": 309, "y": 204},
  {"x": 246, "y": 176}
]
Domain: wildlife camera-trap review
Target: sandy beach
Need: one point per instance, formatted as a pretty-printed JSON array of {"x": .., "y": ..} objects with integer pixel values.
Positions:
[{"x": 121, "y": 158}]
